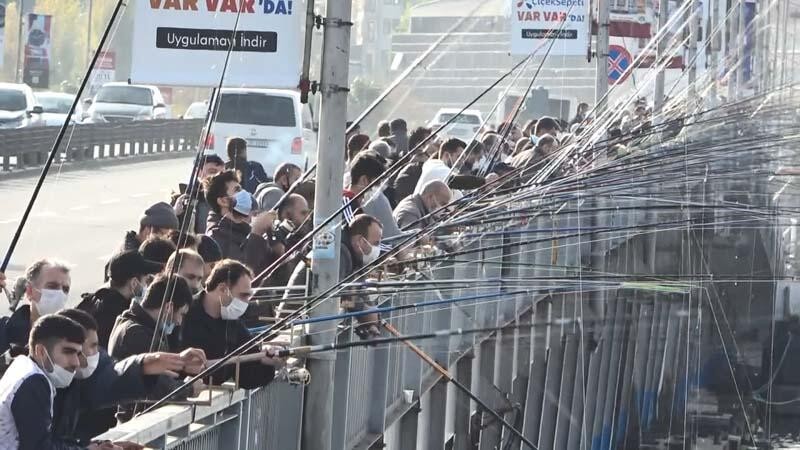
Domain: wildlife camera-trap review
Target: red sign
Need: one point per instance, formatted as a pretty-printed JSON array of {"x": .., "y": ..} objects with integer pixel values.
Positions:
[
  {"x": 619, "y": 64},
  {"x": 106, "y": 61}
]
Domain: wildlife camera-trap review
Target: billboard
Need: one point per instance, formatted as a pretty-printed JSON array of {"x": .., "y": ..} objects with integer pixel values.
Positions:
[
  {"x": 535, "y": 22},
  {"x": 185, "y": 43},
  {"x": 36, "y": 71}
]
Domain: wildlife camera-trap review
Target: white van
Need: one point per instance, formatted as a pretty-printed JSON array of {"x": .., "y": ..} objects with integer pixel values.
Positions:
[
  {"x": 276, "y": 126},
  {"x": 463, "y": 127}
]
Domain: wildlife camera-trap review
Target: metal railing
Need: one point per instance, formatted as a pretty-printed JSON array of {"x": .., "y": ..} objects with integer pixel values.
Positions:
[
  {"x": 28, "y": 147},
  {"x": 625, "y": 354}
]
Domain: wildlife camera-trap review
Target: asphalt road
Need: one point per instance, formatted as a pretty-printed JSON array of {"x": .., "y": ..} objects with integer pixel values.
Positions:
[{"x": 81, "y": 216}]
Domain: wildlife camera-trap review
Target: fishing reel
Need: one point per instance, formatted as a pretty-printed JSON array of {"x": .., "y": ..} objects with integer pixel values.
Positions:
[{"x": 296, "y": 376}]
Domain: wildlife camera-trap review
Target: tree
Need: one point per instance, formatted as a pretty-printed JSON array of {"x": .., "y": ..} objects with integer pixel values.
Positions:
[{"x": 68, "y": 36}]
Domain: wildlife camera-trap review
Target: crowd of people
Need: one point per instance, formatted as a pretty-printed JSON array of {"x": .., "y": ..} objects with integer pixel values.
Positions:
[{"x": 179, "y": 291}]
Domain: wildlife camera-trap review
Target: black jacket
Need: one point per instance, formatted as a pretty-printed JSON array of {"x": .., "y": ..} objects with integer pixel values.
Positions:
[
  {"x": 15, "y": 329},
  {"x": 219, "y": 337},
  {"x": 251, "y": 173},
  {"x": 105, "y": 305},
  {"x": 406, "y": 181},
  {"x": 131, "y": 242},
  {"x": 236, "y": 241},
  {"x": 75, "y": 407},
  {"x": 132, "y": 335}
]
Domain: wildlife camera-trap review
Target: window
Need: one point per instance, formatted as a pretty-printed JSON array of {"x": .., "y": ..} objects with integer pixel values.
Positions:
[
  {"x": 58, "y": 104},
  {"x": 12, "y": 100},
  {"x": 129, "y": 95},
  {"x": 256, "y": 109},
  {"x": 463, "y": 118},
  {"x": 371, "y": 31}
]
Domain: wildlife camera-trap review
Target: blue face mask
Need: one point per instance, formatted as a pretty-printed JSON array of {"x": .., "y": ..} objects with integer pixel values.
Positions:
[
  {"x": 243, "y": 202},
  {"x": 169, "y": 327}
]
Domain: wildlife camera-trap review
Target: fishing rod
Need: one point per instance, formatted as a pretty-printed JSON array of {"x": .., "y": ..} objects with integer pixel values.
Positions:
[
  {"x": 396, "y": 82},
  {"x": 395, "y": 167},
  {"x": 445, "y": 374},
  {"x": 59, "y": 137}
]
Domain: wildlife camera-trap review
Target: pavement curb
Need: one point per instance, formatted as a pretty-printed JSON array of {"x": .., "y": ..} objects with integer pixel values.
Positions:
[{"x": 71, "y": 166}]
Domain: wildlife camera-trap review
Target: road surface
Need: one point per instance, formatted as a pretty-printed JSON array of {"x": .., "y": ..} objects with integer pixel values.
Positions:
[{"x": 81, "y": 216}]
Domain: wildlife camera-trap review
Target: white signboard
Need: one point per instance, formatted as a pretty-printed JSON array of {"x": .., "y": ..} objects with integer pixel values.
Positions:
[
  {"x": 185, "y": 42},
  {"x": 534, "y": 23},
  {"x": 103, "y": 72}
]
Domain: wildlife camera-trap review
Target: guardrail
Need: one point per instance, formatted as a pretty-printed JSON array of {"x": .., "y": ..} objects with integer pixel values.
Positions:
[{"x": 28, "y": 147}]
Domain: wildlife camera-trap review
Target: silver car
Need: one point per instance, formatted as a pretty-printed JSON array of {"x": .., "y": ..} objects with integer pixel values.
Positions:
[{"x": 122, "y": 102}]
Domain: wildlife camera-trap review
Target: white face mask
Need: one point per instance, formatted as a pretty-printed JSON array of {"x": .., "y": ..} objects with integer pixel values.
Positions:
[
  {"x": 51, "y": 301},
  {"x": 234, "y": 309},
  {"x": 374, "y": 253},
  {"x": 60, "y": 377},
  {"x": 91, "y": 365}
]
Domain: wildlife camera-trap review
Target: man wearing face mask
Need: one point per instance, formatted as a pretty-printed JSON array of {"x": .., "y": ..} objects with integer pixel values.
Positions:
[
  {"x": 229, "y": 223},
  {"x": 28, "y": 387},
  {"x": 360, "y": 246},
  {"x": 419, "y": 210},
  {"x": 154, "y": 320},
  {"x": 365, "y": 168},
  {"x": 100, "y": 381},
  {"x": 213, "y": 324},
  {"x": 128, "y": 272},
  {"x": 46, "y": 292}
]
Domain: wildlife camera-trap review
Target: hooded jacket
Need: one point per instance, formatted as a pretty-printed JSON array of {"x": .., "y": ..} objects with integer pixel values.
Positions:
[
  {"x": 132, "y": 335},
  {"x": 236, "y": 241},
  {"x": 105, "y": 305}
]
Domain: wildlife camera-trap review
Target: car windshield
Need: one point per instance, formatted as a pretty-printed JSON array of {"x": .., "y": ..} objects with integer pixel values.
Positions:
[
  {"x": 130, "y": 95},
  {"x": 196, "y": 110},
  {"x": 12, "y": 100},
  {"x": 58, "y": 104},
  {"x": 463, "y": 118},
  {"x": 256, "y": 109}
]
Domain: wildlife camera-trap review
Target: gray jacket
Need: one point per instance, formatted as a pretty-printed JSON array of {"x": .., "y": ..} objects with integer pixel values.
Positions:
[
  {"x": 409, "y": 211},
  {"x": 380, "y": 209}
]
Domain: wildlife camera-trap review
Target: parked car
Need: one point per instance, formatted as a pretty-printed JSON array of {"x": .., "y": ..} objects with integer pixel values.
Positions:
[
  {"x": 276, "y": 126},
  {"x": 464, "y": 127},
  {"x": 122, "y": 102},
  {"x": 196, "y": 110},
  {"x": 19, "y": 107},
  {"x": 56, "y": 107}
]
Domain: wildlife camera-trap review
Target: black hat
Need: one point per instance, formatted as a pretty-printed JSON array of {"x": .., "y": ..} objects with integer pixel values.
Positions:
[
  {"x": 160, "y": 215},
  {"x": 130, "y": 264},
  {"x": 209, "y": 249}
]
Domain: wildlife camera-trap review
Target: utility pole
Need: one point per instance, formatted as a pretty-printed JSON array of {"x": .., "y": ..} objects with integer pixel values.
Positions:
[
  {"x": 658, "y": 100},
  {"x": 89, "y": 33},
  {"x": 601, "y": 52},
  {"x": 694, "y": 34},
  {"x": 318, "y": 411},
  {"x": 20, "y": 45}
]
